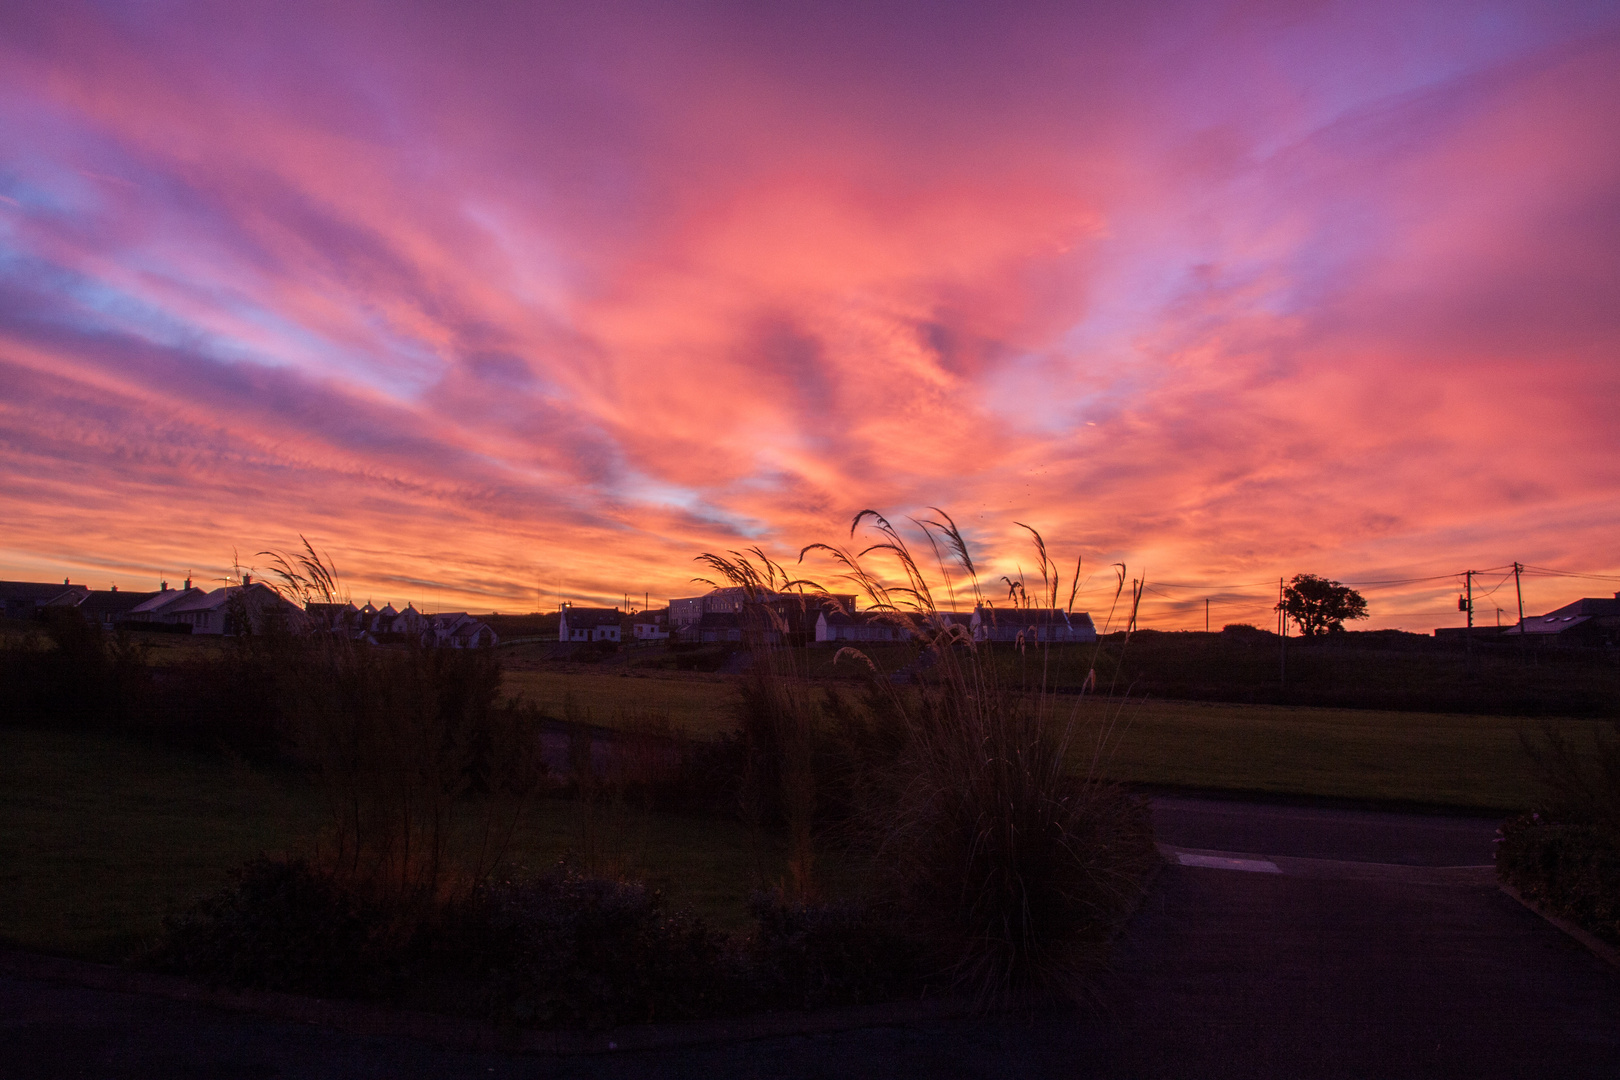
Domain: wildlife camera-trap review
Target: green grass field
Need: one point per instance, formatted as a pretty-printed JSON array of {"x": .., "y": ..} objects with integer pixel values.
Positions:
[
  {"x": 1430, "y": 758},
  {"x": 701, "y": 706},
  {"x": 1437, "y": 759},
  {"x": 101, "y": 838}
]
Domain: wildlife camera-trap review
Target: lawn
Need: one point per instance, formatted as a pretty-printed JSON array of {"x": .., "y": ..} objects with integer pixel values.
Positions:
[
  {"x": 701, "y": 706},
  {"x": 100, "y": 838},
  {"x": 1432, "y": 758},
  {"x": 1438, "y": 759}
]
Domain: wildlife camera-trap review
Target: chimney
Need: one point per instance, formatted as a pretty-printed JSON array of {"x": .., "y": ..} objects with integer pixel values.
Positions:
[
  {"x": 115, "y": 588},
  {"x": 247, "y": 579},
  {"x": 65, "y": 581},
  {"x": 163, "y": 586},
  {"x": 188, "y": 581}
]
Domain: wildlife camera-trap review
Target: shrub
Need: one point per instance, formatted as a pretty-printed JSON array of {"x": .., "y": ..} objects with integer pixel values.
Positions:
[
  {"x": 283, "y": 925},
  {"x": 1569, "y": 867},
  {"x": 808, "y": 956},
  {"x": 561, "y": 950},
  {"x": 1566, "y": 854},
  {"x": 567, "y": 950}
]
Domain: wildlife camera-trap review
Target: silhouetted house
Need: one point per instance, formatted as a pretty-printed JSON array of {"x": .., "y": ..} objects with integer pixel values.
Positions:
[
  {"x": 253, "y": 607},
  {"x": 1589, "y": 622},
  {"x": 456, "y": 630},
  {"x": 588, "y": 624},
  {"x": 334, "y": 618},
  {"x": 110, "y": 607},
  {"x": 470, "y": 634},
  {"x": 1034, "y": 624},
  {"x": 689, "y": 610},
  {"x": 651, "y": 625},
  {"x": 24, "y": 599},
  {"x": 715, "y": 627},
  {"x": 835, "y": 625},
  {"x": 154, "y": 613}
]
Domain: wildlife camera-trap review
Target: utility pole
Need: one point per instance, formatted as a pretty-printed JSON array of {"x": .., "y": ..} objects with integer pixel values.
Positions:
[
  {"x": 1282, "y": 628},
  {"x": 1518, "y": 568},
  {"x": 1468, "y": 605},
  {"x": 1206, "y": 614}
]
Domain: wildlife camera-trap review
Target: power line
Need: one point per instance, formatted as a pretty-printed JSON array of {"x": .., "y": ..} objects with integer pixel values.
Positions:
[{"x": 1549, "y": 572}]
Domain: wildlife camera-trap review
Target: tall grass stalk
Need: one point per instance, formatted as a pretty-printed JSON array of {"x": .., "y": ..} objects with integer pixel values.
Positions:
[
  {"x": 780, "y": 714},
  {"x": 425, "y": 775},
  {"x": 1016, "y": 865}
]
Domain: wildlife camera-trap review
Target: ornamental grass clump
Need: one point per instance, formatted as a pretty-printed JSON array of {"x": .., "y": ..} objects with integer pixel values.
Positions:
[{"x": 976, "y": 796}]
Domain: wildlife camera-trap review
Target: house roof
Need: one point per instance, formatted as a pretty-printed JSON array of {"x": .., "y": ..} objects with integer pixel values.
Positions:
[
  {"x": 41, "y": 593},
  {"x": 260, "y": 593},
  {"x": 1569, "y": 616},
  {"x": 163, "y": 601},
  {"x": 1547, "y": 625},
  {"x": 585, "y": 617},
  {"x": 103, "y": 602},
  {"x": 1589, "y": 605},
  {"x": 1025, "y": 616}
]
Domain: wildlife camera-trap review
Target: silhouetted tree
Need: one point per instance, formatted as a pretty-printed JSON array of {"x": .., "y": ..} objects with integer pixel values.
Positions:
[{"x": 1319, "y": 606}]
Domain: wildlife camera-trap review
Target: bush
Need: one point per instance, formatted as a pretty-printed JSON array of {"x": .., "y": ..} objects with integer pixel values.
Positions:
[
  {"x": 1565, "y": 855},
  {"x": 283, "y": 925},
  {"x": 561, "y": 950},
  {"x": 566, "y": 950},
  {"x": 809, "y": 956},
  {"x": 1571, "y": 868}
]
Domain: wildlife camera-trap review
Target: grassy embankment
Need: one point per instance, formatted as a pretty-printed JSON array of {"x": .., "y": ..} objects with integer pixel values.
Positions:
[{"x": 100, "y": 838}]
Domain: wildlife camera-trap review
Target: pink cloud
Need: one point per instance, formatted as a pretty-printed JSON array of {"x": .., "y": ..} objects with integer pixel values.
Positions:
[{"x": 511, "y": 305}]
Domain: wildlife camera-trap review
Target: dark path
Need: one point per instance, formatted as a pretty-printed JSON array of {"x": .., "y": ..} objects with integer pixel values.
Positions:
[{"x": 1222, "y": 974}]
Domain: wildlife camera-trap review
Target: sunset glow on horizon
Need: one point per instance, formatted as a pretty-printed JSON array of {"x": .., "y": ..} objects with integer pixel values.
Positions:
[{"x": 503, "y": 305}]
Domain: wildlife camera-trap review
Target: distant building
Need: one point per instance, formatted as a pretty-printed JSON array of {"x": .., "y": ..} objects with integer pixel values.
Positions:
[
  {"x": 110, "y": 607},
  {"x": 834, "y": 625},
  {"x": 1590, "y": 622},
  {"x": 588, "y": 624},
  {"x": 253, "y": 607},
  {"x": 689, "y": 610},
  {"x": 651, "y": 625},
  {"x": 715, "y": 627},
  {"x": 154, "y": 610},
  {"x": 24, "y": 599},
  {"x": 1035, "y": 624}
]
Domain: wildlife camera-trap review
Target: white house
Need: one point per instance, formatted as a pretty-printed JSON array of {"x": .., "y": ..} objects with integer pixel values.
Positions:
[
  {"x": 651, "y": 625},
  {"x": 588, "y": 624}
]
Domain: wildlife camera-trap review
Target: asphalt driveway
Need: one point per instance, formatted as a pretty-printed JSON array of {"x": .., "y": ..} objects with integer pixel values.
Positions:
[{"x": 1315, "y": 968}]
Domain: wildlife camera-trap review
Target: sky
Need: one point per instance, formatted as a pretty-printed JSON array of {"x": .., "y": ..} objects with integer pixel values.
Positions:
[{"x": 502, "y": 305}]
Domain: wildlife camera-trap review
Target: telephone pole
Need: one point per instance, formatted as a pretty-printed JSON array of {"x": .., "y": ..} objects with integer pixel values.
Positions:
[
  {"x": 1206, "y": 614},
  {"x": 1282, "y": 627},
  {"x": 1468, "y": 605},
  {"x": 1518, "y": 568}
]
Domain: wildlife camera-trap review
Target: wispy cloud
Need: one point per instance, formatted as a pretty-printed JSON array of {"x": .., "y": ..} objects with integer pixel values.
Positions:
[{"x": 512, "y": 304}]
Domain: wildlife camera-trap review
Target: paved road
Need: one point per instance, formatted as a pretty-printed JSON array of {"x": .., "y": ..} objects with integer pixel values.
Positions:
[{"x": 1222, "y": 974}]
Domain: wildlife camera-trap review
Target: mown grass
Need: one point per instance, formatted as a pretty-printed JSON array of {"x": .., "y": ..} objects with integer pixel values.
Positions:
[
  {"x": 1438, "y": 759},
  {"x": 100, "y": 838},
  {"x": 1432, "y": 758},
  {"x": 701, "y": 706}
]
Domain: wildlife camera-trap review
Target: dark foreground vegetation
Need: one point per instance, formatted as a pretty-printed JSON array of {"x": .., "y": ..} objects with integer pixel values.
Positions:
[
  {"x": 937, "y": 839},
  {"x": 1565, "y": 854}
]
